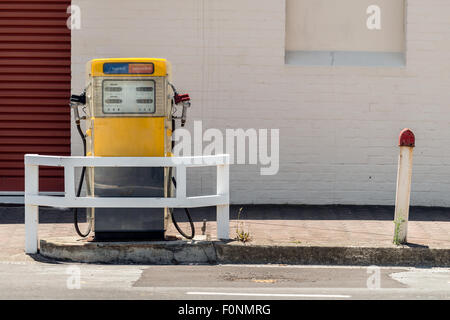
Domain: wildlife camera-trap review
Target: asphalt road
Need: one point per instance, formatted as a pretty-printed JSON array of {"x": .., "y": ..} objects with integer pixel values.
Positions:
[{"x": 45, "y": 280}]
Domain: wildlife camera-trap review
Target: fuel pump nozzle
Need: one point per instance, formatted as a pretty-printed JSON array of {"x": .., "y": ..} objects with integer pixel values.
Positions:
[
  {"x": 78, "y": 99},
  {"x": 75, "y": 101},
  {"x": 185, "y": 100}
]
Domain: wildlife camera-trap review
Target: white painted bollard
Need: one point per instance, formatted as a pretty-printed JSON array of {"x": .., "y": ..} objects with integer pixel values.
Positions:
[
  {"x": 31, "y": 211},
  {"x": 223, "y": 211},
  {"x": 404, "y": 174}
]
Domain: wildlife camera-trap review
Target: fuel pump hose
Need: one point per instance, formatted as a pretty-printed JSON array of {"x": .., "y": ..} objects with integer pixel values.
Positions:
[
  {"x": 188, "y": 214},
  {"x": 80, "y": 186}
]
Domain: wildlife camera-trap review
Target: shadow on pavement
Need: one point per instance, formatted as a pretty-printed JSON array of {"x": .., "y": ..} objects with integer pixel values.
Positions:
[
  {"x": 15, "y": 214},
  {"x": 39, "y": 258}
]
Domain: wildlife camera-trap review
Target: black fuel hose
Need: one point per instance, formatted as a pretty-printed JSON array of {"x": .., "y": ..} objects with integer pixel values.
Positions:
[
  {"x": 80, "y": 186},
  {"x": 186, "y": 210},
  {"x": 188, "y": 214}
]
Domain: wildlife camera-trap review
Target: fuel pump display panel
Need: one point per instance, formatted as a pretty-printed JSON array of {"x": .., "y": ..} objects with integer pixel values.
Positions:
[{"x": 128, "y": 96}]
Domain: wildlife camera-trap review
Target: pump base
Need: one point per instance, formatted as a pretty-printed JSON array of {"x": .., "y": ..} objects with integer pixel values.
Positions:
[{"x": 129, "y": 236}]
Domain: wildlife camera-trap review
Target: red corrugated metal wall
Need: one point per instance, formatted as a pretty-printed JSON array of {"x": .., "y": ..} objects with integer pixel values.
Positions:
[{"x": 34, "y": 88}]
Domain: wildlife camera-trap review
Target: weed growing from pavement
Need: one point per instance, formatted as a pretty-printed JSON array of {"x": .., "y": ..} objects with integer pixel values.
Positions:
[
  {"x": 241, "y": 235},
  {"x": 398, "y": 223}
]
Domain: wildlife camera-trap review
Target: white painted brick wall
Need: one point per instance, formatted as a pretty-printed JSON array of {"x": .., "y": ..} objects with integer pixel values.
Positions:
[{"x": 338, "y": 125}]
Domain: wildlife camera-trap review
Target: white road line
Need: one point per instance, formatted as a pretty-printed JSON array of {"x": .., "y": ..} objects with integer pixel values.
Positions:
[{"x": 269, "y": 294}]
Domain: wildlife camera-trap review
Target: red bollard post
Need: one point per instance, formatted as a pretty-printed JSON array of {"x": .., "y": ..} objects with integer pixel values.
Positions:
[{"x": 406, "y": 143}]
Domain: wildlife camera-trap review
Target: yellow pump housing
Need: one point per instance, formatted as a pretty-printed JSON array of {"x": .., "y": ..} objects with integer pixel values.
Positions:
[{"x": 128, "y": 115}]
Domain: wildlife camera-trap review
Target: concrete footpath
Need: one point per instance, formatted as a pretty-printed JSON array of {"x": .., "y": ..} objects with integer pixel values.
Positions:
[{"x": 336, "y": 235}]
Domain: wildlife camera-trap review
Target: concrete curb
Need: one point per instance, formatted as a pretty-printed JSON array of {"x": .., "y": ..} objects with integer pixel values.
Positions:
[
  {"x": 158, "y": 252},
  {"x": 211, "y": 252}
]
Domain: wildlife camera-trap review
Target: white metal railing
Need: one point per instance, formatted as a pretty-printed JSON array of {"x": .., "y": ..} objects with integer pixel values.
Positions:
[{"x": 33, "y": 199}]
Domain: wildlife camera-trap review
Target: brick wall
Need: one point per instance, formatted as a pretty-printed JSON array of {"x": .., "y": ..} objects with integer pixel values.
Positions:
[{"x": 338, "y": 125}]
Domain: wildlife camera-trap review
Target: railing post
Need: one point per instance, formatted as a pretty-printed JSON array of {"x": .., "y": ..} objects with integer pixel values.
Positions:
[
  {"x": 31, "y": 211},
  {"x": 181, "y": 182},
  {"x": 223, "y": 211},
  {"x": 69, "y": 181}
]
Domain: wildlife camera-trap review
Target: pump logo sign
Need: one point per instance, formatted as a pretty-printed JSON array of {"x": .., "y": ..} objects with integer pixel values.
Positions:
[{"x": 128, "y": 68}]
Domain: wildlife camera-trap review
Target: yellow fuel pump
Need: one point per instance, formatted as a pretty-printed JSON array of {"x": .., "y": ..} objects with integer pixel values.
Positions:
[{"x": 129, "y": 113}]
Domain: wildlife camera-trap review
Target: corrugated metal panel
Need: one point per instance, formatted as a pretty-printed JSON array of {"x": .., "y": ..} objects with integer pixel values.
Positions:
[{"x": 34, "y": 88}]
